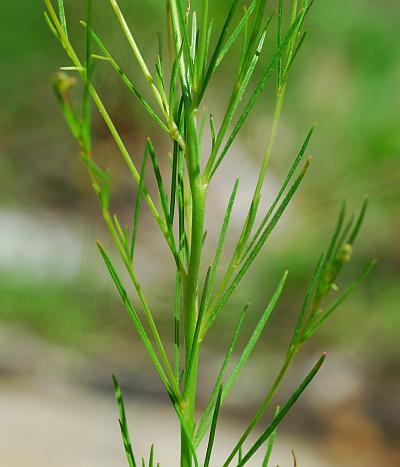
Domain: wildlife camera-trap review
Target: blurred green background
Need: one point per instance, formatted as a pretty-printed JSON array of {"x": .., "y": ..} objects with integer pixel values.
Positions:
[{"x": 52, "y": 283}]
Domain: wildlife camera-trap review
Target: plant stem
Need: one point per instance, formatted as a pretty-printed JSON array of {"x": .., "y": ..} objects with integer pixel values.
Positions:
[{"x": 191, "y": 286}]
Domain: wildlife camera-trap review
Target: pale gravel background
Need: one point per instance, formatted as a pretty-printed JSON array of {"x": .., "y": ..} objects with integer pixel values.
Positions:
[{"x": 49, "y": 425}]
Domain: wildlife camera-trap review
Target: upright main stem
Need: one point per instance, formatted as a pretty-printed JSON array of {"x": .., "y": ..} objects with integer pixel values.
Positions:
[{"x": 191, "y": 286}]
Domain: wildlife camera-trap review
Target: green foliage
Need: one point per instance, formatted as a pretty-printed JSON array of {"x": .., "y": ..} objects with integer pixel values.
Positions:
[{"x": 176, "y": 110}]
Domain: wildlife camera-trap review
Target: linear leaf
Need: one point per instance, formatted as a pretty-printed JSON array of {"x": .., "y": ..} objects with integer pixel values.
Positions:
[
  {"x": 358, "y": 223},
  {"x": 236, "y": 97},
  {"x": 261, "y": 85},
  {"x": 236, "y": 33},
  {"x": 123, "y": 423},
  {"x": 282, "y": 413},
  {"x": 311, "y": 290},
  {"x": 336, "y": 235},
  {"x": 128, "y": 83},
  {"x": 61, "y": 13},
  {"x": 195, "y": 343},
  {"x": 138, "y": 205},
  {"x": 151, "y": 459},
  {"x": 254, "y": 337},
  {"x": 50, "y": 25},
  {"x": 206, "y": 418},
  {"x": 294, "y": 55},
  {"x": 177, "y": 314},
  {"x": 222, "y": 236},
  {"x": 133, "y": 315},
  {"x": 213, "y": 429},
  {"x": 289, "y": 176},
  {"x": 321, "y": 319},
  {"x": 218, "y": 48},
  {"x": 184, "y": 427},
  {"x": 257, "y": 248},
  {"x": 86, "y": 110}
]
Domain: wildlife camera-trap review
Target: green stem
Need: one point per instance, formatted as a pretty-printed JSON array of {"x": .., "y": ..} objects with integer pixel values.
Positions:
[{"x": 191, "y": 285}]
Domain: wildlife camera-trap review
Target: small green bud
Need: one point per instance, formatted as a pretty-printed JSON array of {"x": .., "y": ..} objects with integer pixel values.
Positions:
[{"x": 345, "y": 253}]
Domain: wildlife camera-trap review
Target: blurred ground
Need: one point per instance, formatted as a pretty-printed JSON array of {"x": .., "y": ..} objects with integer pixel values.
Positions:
[{"x": 70, "y": 418}]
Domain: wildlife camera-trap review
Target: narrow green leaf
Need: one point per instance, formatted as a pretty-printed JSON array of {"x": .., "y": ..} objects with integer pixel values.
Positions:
[
  {"x": 185, "y": 37},
  {"x": 174, "y": 78},
  {"x": 62, "y": 84},
  {"x": 212, "y": 129},
  {"x": 254, "y": 337},
  {"x": 138, "y": 205},
  {"x": 151, "y": 459},
  {"x": 336, "y": 235},
  {"x": 61, "y": 13},
  {"x": 285, "y": 184},
  {"x": 100, "y": 180},
  {"x": 121, "y": 234},
  {"x": 236, "y": 97},
  {"x": 123, "y": 423},
  {"x": 206, "y": 418},
  {"x": 280, "y": 27},
  {"x": 282, "y": 413},
  {"x": 240, "y": 454},
  {"x": 221, "y": 240},
  {"x": 343, "y": 236},
  {"x": 160, "y": 183},
  {"x": 177, "y": 318},
  {"x": 358, "y": 223},
  {"x": 203, "y": 52},
  {"x": 86, "y": 110},
  {"x": 134, "y": 316},
  {"x": 306, "y": 304},
  {"x": 255, "y": 31},
  {"x": 193, "y": 42},
  {"x": 161, "y": 83},
  {"x": 217, "y": 50},
  {"x": 261, "y": 84},
  {"x": 257, "y": 248},
  {"x": 175, "y": 175},
  {"x": 195, "y": 343},
  {"x": 128, "y": 83},
  {"x": 318, "y": 321},
  {"x": 163, "y": 197},
  {"x": 236, "y": 33},
  {"x": 50, "y": 25},
  {"x": 270, "y": 445},
  {"x": 135, "y": 49},
  {"x": 213, "y": 429},
  {"x": 294, "y": 55},
  {"x": 184, "y": 427}
]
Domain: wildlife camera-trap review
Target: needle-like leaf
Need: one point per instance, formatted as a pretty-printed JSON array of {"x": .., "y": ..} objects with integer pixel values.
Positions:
[
  {"x": 254, "y": 337},
  {"x": 281, "y": 414},
  {"x": 133, "y": 315},
  {"x": 61, "y": 12},
  {"x": 127, "y": 82},
  {"x": 206, "y": 418},
  {"x": 213, "y": 429},
  {"x": 261, "y": 85},
  {"x": 322, "y": 318},
  {"x": 138, "y": 205},
  {"x": 123, "y": 423},
  {"x": 221, "y": 240},
  {"x": 213, "y": 313}
]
